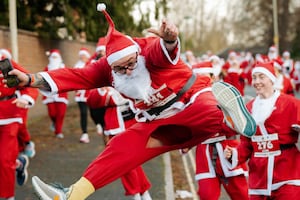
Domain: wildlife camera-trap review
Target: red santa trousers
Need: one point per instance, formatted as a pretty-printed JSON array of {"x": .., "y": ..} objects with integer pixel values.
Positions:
[
  {"x": 210, "y": 188},
  {"x": 128, "y": 150},
  {"x": 135, "y": 182},
  {"x": 9, "y": 153},
  {"x": 23, "y": 135},
  {"x": 56, "y": 112}
]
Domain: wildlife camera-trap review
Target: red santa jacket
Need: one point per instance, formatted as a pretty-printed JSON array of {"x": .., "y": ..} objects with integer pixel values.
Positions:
[
  {"x": 119, "y": 113},
  {"x": 274, "y": 159},
  {"x": 10, "y": 112},
  {"x": 166, "y": 69},
  {"x": 60, "y": 97},
  {"x": 208, "y": 167}
]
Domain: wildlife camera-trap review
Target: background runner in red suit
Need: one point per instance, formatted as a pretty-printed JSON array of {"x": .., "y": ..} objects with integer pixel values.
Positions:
[
  {"x": 150, "y": 72},
  {"x": 211, "y": 168},
  {"x": 119, "y": 115},
  {"x": 10, "y": 122},
  {"x": 81, "y": 97},
  {"x": 56, "y": 103},
  {"x": 274, "y": 159}
]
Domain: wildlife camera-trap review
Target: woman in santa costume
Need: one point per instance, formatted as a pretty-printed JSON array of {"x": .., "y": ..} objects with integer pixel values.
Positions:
[
  {"x": 119, "y": 115},
  {"x": 81, "y": 96},
  {"x": 211, "y": 168},
  {"x": 56, "y": 103},
  {"x": 11, "y": 121},
  {"x": 176, "y": 109},
  {"x": 274, "y": 159}
]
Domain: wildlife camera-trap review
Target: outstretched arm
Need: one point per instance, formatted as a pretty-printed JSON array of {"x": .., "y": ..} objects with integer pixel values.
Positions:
[{"x": 30, "y": 80}]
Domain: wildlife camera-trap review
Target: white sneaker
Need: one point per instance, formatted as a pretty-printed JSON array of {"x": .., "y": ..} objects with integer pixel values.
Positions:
[
  {"x": 30, "y": 149},
  {"x": 136, "y": 197},
  {"x": 84, "y": 138},
  {"x": 99, "y": 129},
  {"x": 49, "y": 192},
  {"x": 60, "y": 136},
  {"x": 146, "y": 196},
  {"x": 236, "y": 115}
]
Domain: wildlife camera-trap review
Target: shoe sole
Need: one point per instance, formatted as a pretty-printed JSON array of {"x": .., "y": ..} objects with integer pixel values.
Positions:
[
  {"x": 232, "y": 105},
  {"x": 38, "y": 184}
]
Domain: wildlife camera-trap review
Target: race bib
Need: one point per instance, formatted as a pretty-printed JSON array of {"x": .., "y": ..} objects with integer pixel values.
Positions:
[
  {"x": 159, "y": 97},
  {"x": 265, "y": 145}
]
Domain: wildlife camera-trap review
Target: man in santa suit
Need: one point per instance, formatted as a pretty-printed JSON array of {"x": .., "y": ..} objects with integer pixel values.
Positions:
[
  {"x": 176, "y": 109},
  {"x": 97, "y": 114},
  {"x": 211, "y": 168},
  {"x": 274, "y": 159},
  {"x": 26, "y": 145},
  {"x": 119, "y": 115},
  {"x": 81, "y": 96},
  {"x": 288, "y": 64},
  {"x": 56, "y": 103},
  {"x": 282, "y": 83},
  {"x": 11, "y": 119}
]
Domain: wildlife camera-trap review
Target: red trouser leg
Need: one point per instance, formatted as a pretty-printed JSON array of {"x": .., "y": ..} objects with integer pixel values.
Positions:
[
  {"x": 23, "y": 135},
  {"x": 56, "y": 112},
  {"x": 209, "y": 189},
  {"x": 8, "y": 156},
  {"x": 135, "y": 182},
  {"x": 236, "y": 187},
  {"x": 128, "y": 150}
]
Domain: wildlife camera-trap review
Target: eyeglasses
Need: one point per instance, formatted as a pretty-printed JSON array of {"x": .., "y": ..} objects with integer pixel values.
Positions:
[{"x": 122, "y": 69}]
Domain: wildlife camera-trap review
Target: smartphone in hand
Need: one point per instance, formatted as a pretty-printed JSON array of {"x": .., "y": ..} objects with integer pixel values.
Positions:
[{"x": 5, "y": 67}]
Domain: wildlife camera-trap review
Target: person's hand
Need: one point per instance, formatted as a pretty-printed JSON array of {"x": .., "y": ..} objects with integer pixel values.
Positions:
[
  {"x": 168, "y": 31},
  {"x": 23, "y": 78},
  {"x": 21, "y": 103},
  {"x": 228, "y": 152}
]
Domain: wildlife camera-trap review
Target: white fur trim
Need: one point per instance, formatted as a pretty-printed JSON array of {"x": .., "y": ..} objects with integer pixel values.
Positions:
[
  {"x": 100, "y": 48},
  {"x": 29, "y": 99},
  {"x": 203, "y": 70},
  {"x": 264, "y": 71},
  {"x": 101, "y": 7},
  {"x": 51, "y": 83},
  {"x": 121, "y": 54},
  {"x": 11, "y": 120},
  {"x": 167, "y": 54}
]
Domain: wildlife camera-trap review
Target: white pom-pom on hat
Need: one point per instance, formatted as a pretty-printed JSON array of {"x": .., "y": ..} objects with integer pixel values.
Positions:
[{"x": 101, "y": 7}]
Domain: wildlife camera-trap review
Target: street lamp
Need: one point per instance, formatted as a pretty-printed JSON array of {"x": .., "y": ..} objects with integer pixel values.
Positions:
[{"x": 275, "y": 25}]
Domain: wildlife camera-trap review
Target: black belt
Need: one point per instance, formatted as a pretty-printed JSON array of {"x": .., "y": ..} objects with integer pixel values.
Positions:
[
  {"x": 157, "y": 110},
  {"x": 127, "y": 114},
  {"x": 8, "y": 97},
  {"x": 286, "y": 146}
]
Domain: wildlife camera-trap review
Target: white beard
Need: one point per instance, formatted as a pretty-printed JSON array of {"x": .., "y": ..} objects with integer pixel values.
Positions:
[
  {"x": 79, "y": 64},
  {"x": 137, "y": 85},
  {"x": 272, "y": 56},
  {"x": 55, "y": 63}
]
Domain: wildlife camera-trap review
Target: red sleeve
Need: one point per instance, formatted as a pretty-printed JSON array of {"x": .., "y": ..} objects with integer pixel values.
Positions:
[{"x": 94, "y": 75}]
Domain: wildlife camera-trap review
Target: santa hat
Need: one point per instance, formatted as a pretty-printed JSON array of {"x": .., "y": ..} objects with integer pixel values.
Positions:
[
  {"x": 286, "y": 54},
  {"x": 266, "y": 68},
  {"x": 84, "y": 52},
  {"x": 203, "y": 68},
  {"x": 277, "y": 63},
  {"x": 6, "y": 53},
  {"x": 117, "y": 44},
  {"x": 101, "y": 44},
  {"x": 53, "y": 52},
  {"x": 273, "y": 48}
]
